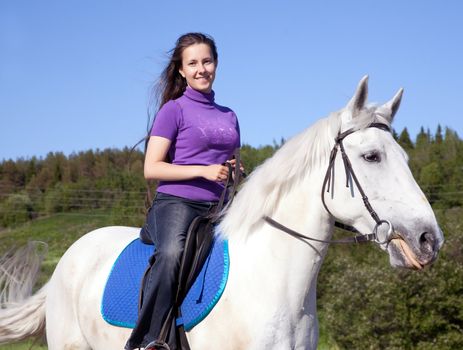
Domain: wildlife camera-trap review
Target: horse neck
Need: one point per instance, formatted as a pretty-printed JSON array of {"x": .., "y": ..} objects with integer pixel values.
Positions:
[
  {"x": 284, "y": 266},
  {"x": 301, "y": 210}
]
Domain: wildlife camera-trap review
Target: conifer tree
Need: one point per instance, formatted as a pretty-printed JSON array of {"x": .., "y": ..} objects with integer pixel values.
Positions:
[{"x": 404, "y": 140}]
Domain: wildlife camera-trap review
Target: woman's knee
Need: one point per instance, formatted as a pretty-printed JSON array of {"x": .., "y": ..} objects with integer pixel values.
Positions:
[{"x": 170, "y": 253}]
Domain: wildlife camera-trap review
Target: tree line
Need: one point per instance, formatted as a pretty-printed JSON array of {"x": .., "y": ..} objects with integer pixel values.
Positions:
[
  {"x": 112, "y": 179},
  {"x": 436, "y": 162}
]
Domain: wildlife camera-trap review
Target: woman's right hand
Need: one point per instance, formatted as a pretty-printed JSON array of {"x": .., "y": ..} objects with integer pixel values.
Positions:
[{"x": 215, "y": 172}]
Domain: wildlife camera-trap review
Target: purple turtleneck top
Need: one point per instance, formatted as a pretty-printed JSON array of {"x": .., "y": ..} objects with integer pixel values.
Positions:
[{"x": 202, "y": 133}]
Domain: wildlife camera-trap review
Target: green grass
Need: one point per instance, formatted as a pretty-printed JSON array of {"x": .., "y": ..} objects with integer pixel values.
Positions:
[
  {"x": 325, "y": 342},
  {"x": 58, "y": 231},
  {"x": 25, "y": 346}
]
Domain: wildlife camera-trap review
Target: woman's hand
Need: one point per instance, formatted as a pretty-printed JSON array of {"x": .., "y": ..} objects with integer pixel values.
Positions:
[
  {"x": 215, "y": 172},
  {"x": 219, "y": 172},
  {"x": 233, "y": 164}
]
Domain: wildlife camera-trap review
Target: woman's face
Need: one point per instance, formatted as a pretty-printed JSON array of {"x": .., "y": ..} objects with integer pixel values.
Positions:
[{"x": 198, "y": 67}]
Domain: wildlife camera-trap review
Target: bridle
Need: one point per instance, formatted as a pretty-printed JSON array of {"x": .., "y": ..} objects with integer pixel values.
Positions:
[{"x": 329, "y": 182}]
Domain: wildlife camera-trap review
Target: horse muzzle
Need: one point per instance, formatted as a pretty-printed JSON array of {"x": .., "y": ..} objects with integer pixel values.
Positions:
[{"x": 416, "y": 252}]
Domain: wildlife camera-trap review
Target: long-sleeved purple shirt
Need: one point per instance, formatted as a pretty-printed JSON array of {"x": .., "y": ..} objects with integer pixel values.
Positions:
[{"x": 202, "y": 133}]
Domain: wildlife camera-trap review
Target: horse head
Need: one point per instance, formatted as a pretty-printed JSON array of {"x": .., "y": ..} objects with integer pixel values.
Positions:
[{"x": 379, "y": 167}]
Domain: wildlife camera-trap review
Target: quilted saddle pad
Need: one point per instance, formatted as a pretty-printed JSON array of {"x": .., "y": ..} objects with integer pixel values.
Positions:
[{"x": 119, "y": 305}]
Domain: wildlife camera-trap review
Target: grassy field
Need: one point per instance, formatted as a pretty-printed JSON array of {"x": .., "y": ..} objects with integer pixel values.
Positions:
[
  {"x": 25, "y": 346},
  {"x": 59, "y": 232}
]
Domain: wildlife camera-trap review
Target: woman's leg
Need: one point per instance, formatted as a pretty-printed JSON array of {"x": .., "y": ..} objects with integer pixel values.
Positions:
[{"x": 168, "y": 222}]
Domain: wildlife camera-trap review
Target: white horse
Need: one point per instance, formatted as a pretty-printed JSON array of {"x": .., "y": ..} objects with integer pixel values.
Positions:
[{"x": 270, "y": 299}]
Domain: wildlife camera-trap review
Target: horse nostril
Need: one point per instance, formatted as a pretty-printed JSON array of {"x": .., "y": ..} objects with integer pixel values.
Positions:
[{"x": 427, "y": 241}]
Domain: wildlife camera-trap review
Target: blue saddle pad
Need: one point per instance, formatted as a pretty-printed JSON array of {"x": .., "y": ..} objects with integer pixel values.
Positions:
[{"x": 119, "y": 305}]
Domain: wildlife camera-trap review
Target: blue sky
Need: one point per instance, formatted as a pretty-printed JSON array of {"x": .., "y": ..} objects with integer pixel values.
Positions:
[{"x": 75, "y": 75}]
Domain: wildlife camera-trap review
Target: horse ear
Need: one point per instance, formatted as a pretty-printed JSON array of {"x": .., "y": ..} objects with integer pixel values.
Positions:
[
  {"x": 360, "y": 97},
  {"x": 394, "y": 104}
]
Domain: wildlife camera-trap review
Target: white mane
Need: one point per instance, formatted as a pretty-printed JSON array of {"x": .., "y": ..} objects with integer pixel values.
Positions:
[{"x": 260, "y": 193}]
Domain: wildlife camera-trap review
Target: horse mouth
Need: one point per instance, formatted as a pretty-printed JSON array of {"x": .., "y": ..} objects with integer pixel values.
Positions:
[{"x": 407, "y": 254}]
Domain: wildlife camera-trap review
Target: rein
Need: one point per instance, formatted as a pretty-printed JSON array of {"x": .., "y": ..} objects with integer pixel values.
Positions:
[
  {"x": 329, "y": 182},
  {"x": 230, "y": 187}
]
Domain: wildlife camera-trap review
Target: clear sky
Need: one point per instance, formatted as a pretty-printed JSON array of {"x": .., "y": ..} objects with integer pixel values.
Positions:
[{"x": 75, "y": 74}]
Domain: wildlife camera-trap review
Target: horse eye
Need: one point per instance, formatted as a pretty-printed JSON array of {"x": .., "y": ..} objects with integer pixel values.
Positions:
[{"x": 372, "y": 157}]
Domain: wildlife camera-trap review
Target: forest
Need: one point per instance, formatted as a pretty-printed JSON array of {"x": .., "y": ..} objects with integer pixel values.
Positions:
[{"x": 363, "y": 302}]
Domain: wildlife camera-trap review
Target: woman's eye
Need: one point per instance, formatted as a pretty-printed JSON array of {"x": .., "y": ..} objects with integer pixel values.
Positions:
[{"x": 372, "y": 157}]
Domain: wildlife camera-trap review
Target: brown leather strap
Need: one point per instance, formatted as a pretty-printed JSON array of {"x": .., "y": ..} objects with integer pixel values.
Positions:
[
  {"x": 328, "y": 182},
  {"x": 329, "y": 176},
  {"x": 363, "y": 238}
]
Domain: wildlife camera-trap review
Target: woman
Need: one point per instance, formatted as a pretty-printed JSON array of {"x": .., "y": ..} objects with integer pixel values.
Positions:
[{"x": 191, "y": 138}]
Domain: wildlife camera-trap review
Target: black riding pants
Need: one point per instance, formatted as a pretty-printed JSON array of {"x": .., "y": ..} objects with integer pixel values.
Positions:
[{"x": 167, "y": 224}]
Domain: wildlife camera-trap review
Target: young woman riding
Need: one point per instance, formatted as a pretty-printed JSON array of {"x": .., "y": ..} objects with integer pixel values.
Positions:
[{"x": 190, "y": 140}]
